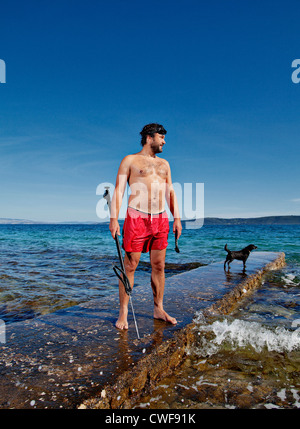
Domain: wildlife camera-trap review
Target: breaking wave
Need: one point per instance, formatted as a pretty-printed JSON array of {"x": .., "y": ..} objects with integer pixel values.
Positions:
[{"x": 239, "y": 334}]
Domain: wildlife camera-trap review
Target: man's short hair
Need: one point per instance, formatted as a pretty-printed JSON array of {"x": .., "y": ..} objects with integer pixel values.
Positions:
[{"x": 150, "y": 130}]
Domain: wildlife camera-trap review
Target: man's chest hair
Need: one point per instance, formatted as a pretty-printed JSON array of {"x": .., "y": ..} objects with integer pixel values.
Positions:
[{"x": 149, "y": 167}]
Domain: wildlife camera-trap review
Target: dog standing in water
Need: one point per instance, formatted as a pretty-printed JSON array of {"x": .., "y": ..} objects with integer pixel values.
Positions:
[{"x": 240, "y": 255}]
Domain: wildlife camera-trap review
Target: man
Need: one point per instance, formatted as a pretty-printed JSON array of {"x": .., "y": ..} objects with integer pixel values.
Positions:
[{"x": 146, "y": 226}]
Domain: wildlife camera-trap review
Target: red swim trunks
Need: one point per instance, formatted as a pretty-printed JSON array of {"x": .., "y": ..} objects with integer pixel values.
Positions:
[{"x": 143, "y": 232}]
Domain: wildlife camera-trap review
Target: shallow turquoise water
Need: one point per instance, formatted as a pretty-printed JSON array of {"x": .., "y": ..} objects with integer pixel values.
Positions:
[
  {"x": 47, "y": 267},
  {"x": 44, "y": 268}
]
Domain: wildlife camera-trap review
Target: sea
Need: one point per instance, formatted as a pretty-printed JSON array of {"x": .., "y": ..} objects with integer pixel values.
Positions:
[{"x": 248, "y": 359}]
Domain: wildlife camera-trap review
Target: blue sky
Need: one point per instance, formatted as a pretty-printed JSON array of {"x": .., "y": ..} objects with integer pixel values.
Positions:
[{"x": 84, "y": 77}]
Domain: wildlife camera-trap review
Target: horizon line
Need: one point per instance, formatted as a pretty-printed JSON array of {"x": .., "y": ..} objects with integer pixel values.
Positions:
[{"x": 30, "y": 221}]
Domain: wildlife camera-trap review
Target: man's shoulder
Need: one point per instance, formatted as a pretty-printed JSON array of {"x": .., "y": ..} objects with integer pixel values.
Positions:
[
  {"x": 136, "y": 158},
  {"x": 163, "y": 160},
  {"x": 128, "y": 159}
]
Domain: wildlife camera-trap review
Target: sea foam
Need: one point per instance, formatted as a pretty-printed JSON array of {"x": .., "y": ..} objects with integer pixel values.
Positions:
[{"x": 243, "y": 334}]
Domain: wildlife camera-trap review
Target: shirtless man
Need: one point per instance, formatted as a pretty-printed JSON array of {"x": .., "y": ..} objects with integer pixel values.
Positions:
[{"x": 146, "y": 226}]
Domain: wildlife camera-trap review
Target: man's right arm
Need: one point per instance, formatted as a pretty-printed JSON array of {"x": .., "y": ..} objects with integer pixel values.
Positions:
[{"x": 116, "y": 202}]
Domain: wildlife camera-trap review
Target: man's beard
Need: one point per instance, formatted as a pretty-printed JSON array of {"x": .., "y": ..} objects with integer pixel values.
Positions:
[{"x": 156, "y": 147}]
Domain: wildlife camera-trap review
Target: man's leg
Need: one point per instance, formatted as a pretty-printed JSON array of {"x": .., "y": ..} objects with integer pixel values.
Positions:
[
  {"x": 131, "y": 261},
  {"x": 157, "y": 259}
]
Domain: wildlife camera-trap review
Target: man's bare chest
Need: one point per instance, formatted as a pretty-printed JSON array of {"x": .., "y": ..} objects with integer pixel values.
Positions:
[{"x": 147, "y": 168}]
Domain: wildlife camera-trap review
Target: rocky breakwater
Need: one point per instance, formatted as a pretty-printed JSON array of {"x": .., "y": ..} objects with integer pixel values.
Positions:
[{"x": 207, "y": 288}]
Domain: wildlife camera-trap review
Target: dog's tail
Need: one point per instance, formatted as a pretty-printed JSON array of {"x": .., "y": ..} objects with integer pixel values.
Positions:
[{"x": 226, "y": 248}]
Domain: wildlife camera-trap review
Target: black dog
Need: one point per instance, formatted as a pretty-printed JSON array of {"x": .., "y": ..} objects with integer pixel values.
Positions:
[{"x": 241, "y": 255}]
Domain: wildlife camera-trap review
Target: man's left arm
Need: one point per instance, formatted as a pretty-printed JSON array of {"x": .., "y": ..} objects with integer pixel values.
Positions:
[{"x": 173, "y": 204}]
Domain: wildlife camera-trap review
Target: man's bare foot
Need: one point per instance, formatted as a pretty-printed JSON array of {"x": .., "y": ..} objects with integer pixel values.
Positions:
[
  {"x": 122, "y": 322},
  {"x": 162, "y": 315}
]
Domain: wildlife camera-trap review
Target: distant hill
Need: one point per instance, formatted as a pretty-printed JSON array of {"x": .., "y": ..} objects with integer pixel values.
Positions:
[
  {"x": 8, "y": 221},
  {"x": 266, "y": 220},
  {"x": 16, "y": 221}
]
